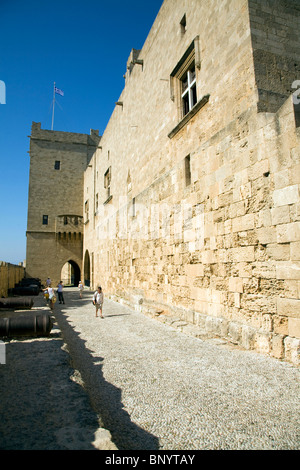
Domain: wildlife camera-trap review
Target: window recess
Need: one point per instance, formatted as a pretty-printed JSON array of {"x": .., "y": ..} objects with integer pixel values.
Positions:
[
  {"x": 183, "y": 86},
  {"x": 107, "y": 182}
]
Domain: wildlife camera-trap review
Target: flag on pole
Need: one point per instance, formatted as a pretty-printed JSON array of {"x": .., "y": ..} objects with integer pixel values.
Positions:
[{"x": 58, "y": 91}]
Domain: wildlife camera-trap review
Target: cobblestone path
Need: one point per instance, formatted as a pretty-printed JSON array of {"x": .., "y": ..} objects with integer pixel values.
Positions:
[{"x": 157, "y": 388}]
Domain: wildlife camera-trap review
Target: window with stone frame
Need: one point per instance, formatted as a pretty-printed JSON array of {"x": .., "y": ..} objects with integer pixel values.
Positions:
[
  {"x": 86, "y": 210},
  {"x": 107, "y": 181},
  {"x": 184, "y": 80},
  {"x": 183, "y": 86}
]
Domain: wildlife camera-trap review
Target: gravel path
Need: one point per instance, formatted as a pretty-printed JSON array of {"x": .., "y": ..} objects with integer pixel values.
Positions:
[{"x": 157, "y": 388}]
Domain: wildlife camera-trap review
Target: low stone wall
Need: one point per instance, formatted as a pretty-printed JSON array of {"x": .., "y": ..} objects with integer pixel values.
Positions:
[{"x": 10, "y": 275}]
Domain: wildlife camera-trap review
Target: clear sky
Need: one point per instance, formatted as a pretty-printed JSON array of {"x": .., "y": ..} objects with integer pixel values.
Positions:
[{"x": 83, "y": 47}]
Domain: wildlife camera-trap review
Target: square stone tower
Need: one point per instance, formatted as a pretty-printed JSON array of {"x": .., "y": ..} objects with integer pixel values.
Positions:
[{"x": 55, "y": 202}]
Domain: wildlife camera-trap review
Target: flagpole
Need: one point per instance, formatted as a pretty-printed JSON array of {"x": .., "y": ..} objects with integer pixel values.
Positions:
[{"x": 53, "y": 106}]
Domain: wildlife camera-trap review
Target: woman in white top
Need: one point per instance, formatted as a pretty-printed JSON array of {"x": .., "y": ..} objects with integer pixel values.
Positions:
[
  {"x": 52, "y": 299},
  {"x": 98, "y": 300}
]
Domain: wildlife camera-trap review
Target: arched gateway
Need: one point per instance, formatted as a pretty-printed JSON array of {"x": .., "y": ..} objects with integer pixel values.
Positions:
[{"x": 70, "y": 273}]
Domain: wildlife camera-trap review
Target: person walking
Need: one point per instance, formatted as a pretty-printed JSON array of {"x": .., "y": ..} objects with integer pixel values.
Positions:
[
  {"x": 52, "y": 298},
  {"x": 60, "y": 287},
  {"x": 98, "y": 301},
  {"x": 80, "y": 287}
]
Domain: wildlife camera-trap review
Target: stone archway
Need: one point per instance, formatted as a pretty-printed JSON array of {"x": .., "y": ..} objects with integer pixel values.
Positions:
[
  {"x": 87, "y": 269},
  {"x": 70, "y": 273}
]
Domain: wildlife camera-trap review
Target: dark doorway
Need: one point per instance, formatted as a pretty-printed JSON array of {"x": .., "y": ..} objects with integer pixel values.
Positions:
[
  {"x": 70, "y": 273},
  {"x": 87, "y": 269}
]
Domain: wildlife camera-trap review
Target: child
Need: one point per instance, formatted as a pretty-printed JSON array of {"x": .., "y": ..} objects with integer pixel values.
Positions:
[{"x": 98, "y": 301}]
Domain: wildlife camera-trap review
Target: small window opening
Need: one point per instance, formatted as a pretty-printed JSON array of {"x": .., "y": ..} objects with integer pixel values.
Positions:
[
  {"x": 187, "y": 167},
  {"x": 45, "y": 220},
  {"x": 107, "y": 180},
  {"x": 65, "y": 220},
  {"x": 57, "y": 165}
]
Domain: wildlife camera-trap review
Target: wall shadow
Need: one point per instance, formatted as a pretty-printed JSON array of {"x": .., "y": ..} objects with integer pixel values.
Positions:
[
  {"x": 105, "y": 398},
  {"x": 42, "y": 407}
]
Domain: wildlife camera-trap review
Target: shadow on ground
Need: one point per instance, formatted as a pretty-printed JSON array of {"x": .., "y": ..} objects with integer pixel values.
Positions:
[
  {"x": 105, "y": 397},
  {"x": 42, "y": 407}
]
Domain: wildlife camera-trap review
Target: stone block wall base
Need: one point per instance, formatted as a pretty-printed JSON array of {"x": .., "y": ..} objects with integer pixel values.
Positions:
[{"x": 207, "y": 327}]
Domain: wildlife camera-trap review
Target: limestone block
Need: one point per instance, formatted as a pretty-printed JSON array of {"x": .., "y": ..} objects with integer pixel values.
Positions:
[
  {"x": 277, "y": 346},
  {"x": 287, "y": 270},
  {"x": 280, "y": 215},
  {"x": 263, "y": 342},
  {"x": 280, "y": 325},
  {"x": 278, "y": 252},
  {"x": 288, "y": 232},
  {"x": 294, "y": 327},
  {"x": 236, "y": 285},
  {"x": 287, "y": 195},
  {"x": 292, "y": 350},
  {"x": 243, "y": 254},
  {"x": 295, "y": 251},
  {"x": 237, "y": 300},
  {"x": 248, "y": 337},
  {"x": 288, "y": 307},
  {"x": 245, "y": 222},
  {"x": 267, "y": 235},
  {"x": 235, "y": 332},
  {"x": 194, "y": 270}
]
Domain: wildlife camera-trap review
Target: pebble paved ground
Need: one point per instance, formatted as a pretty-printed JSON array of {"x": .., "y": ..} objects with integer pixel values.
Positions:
[
  {"x": 151, "y": 386},
  {"x": 157, "y": 388}
]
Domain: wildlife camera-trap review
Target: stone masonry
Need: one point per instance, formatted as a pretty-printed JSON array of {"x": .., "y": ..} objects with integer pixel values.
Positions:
[
  {"x": 55, "y": 213},
  {"x": 190, "y": 202}
]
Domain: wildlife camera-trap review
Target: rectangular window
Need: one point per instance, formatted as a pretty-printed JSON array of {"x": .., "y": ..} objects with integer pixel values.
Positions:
[
  {"x": 65, "y": 220},
  {"x": 188, "y": 89},
  {"x": 96, "y": 205},
  {"x": 107, "y": 180},
  {"x": 187, "y": 168},
  {"x": 86, "y": 210},
  {"x": 183, "y": 81},
  {"x": 133, "y": 208},
  {"x": 45, "y": 220},
  {"x": 57, "y": 165}
]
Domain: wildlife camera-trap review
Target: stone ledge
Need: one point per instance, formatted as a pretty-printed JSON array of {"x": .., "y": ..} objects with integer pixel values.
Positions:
[{"x": 189, "y": 116}]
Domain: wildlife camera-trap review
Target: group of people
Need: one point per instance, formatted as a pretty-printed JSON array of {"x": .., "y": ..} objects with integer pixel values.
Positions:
[{"x": 49, "y": 294}]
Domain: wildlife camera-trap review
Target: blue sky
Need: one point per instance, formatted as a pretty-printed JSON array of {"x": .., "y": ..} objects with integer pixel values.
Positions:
[{"x": 83, "y": 47}]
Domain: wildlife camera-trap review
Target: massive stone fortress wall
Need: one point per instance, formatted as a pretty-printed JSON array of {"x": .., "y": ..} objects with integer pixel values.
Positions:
[{"x": 199, "y": 214}]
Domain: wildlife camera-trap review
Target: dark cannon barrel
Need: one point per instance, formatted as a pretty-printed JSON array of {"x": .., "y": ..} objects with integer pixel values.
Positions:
[
  {"x": 37, "y": 325},
  {"x": 15, "y": 303},
  {"x": 26, "y": 290}
]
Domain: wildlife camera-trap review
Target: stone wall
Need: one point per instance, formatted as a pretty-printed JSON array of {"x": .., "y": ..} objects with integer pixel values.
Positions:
[
  {"x": 57, "y": 164},
  {"x": 10, "y": 275}
]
